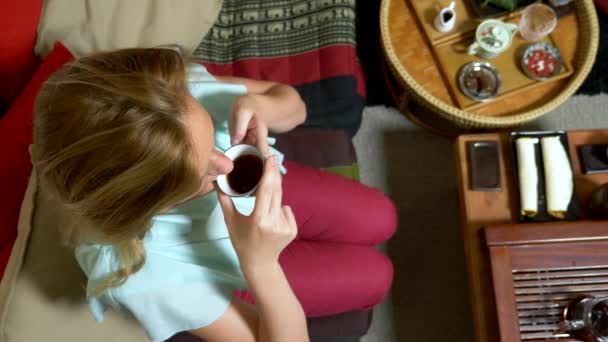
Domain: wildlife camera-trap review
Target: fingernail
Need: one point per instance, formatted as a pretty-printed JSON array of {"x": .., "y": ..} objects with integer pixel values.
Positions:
[{"x": 273, "y": 160}]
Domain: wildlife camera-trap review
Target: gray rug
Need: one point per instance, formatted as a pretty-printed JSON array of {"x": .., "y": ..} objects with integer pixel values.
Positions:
[{"x": 429, "y": 300}]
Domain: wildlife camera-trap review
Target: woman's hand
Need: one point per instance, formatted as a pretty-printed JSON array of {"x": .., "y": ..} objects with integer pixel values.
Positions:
[
  {"x": 259, "y": 238},
  {"x": 245, "y": 123},
  {"x": 279, "y": 106}
]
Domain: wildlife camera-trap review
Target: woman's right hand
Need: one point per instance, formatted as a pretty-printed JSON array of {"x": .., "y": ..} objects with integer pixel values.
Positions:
[{"x": 259, "y": 238}]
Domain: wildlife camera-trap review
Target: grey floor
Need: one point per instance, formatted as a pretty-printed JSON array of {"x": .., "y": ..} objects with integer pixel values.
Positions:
[{"x": 429, "y": 299}]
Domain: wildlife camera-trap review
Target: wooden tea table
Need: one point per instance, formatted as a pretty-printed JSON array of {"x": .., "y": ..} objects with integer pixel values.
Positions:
[
  {"x": 422, "y": 64},
  {"x": 522, "y": 275}
]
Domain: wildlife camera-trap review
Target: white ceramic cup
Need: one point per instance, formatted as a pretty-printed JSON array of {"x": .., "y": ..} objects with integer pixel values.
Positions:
[
  {"x": 233, "y": 153},
  {"x": 446, "y": 19},
  {"x": 500, "y": 32}
]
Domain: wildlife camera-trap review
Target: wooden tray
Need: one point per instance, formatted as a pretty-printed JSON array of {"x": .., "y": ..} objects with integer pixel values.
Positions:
[
  {"x": 452, "y": 56},
  {"x": 466, "y": 19}
]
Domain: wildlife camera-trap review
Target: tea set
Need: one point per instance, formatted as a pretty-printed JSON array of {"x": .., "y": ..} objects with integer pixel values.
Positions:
[{"x": 492, "y": 38}]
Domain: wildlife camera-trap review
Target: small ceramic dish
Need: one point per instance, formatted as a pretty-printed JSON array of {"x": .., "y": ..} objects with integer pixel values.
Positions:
[
  {"x": 541, "y": 61},
  {"x": 480, "y": 81}
]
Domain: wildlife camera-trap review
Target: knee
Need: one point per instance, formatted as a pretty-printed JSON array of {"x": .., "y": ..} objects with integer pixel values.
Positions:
[
  {"x": 386, "y": 218},
  {"x": 380, "y": 282}
]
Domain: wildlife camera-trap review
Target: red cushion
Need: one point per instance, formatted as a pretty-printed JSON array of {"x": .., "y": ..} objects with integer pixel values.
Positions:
[
  {"x": 603, "y": 4},
  {"x": 15, "y": 136},
  {"x": 17, "y": 38}
]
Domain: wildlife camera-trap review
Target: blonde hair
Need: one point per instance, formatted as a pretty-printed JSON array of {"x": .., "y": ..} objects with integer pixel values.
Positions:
[{"x": 110, "y": 144}]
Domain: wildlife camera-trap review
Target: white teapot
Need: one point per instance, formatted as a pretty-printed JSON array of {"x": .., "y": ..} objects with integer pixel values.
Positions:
[{"x": 492, "y": 38}]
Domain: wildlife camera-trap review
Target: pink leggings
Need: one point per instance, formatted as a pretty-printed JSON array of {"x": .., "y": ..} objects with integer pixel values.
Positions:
[{"x": 332, "y": 265}]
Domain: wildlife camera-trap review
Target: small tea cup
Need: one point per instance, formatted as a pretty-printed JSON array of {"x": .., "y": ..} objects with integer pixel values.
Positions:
[{"x": 245, "y": 177}]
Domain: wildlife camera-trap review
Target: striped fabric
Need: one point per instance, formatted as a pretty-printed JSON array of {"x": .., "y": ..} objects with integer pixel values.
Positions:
[{"x": 310, "y": 44}]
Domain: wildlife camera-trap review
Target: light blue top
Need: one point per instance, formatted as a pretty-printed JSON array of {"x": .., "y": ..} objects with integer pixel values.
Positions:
[{"x": 191, "y": 267}]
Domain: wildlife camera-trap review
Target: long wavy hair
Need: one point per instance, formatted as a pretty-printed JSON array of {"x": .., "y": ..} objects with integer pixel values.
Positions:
[{"x": 110, "y": 143}]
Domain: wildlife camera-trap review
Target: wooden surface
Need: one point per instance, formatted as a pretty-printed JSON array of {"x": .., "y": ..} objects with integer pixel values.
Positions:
[
  {"x": 427, "y": 10},
  {"x": 414, "y": 51},
  {"x": 539, "y": 268},
  {"x": 482, "y": 209},
  {"x": 418, "y": 58},
  {"x": 453, "y": 56},
  {"x": 584, "y": 184},
  {"x": 466, "y": 20},
  {"x": 534, "y": 233},
  {"x": 505, "y": 305}
]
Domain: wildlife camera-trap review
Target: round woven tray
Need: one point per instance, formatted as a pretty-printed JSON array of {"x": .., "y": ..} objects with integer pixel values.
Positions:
[{"x": 588, "y": 39}]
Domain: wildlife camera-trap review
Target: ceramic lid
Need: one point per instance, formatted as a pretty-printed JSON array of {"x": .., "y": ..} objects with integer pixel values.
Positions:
[{"x": 493, "y": 36}]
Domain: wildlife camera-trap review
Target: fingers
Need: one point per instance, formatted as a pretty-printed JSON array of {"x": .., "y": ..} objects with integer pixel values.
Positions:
[
  {"x": 245, "y": 124},
  {"x": 227, "y": 206},
  {"x": 257, "y": 135},
  {"x": 267, "y": 187},
  {"x": 291, "y": 220},
  {"x": 239, "y": 124},
  {"x": 262, "y": 138},
  {"x": 277, "y": 196}
]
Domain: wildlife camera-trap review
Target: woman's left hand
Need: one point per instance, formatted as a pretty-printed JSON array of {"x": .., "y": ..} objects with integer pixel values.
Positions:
[{"x": 246, "y": 125}]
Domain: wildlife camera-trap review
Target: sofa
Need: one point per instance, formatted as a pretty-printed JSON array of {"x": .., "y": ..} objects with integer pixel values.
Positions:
[{"x": 334, "y": 94}]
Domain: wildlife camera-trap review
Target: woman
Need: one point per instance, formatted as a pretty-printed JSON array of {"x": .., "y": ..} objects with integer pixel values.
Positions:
[{"x": 130, "y": 142}]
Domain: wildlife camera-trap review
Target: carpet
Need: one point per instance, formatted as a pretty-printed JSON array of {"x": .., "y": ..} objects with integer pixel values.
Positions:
[{"x": 429, "y": 299}]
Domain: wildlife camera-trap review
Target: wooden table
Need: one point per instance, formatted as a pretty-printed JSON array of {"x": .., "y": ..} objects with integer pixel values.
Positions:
[
  {"x": 483, "y": 209},
  {"x": 413, "y": 71}
]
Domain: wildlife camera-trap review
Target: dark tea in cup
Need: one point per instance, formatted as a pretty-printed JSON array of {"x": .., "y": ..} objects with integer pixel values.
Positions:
[
  {"x": 246, "y": 173},
  {"x": 248, "y": 167}
]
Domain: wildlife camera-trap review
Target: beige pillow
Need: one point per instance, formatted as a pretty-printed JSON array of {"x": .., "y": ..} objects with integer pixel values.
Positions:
[
  {"x": 42, "y": 294},
  {"x": 86, "y": 26}
]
